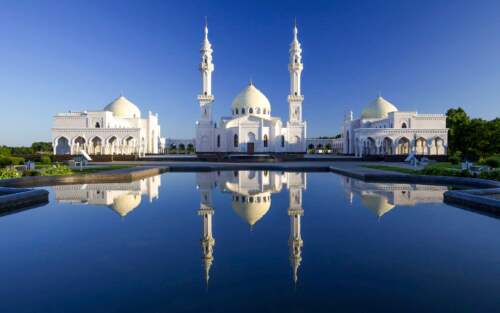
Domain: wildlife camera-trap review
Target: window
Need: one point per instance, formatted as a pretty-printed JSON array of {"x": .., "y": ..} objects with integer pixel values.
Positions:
[
  {"x": 264, "y": 111},
  {"x": 236, "y": 111},
  {"x": 236, "y": 143},
  {"x": 403, "y": 125},
  {"x": 250, "y": 110},
  {"x": 97, "y": 125},
  {"x": 218, "y": 141},
  {"x": 282, "y": 140},
  {"x": 265, "y": 141},
  {"x": 258, "y": 110},
  {"x": 243, "y": 111}
]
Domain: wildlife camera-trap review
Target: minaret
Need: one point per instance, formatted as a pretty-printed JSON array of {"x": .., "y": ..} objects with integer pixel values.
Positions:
[
  {"x": 295, "y": 241},
  {"x": 295, "y": 67},
  {"x": 206, "y": 68}
]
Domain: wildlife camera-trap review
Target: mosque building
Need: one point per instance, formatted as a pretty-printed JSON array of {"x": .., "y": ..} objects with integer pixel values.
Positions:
[
  {"x": 251, "y": 127},
  {"x": 117, "y": 129},
  {"x": 384, "y": 130}
]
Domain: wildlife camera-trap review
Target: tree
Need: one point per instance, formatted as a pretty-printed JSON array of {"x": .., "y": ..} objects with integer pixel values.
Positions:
[
  {"x": 41, "y": 146},
  {"x": 456, "y": 121}
]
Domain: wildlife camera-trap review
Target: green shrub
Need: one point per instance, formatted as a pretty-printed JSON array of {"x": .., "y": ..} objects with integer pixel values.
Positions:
[
  {"x": 495, "y": 175},
  {"x": 45, "y": 159},
  {"x": 31, "y": 173},
  {"x": 56, "y": 170},
  {"x": 454, "y": 159},
  {"x": 10, "y": 160},
  {"x": 9, "y": 173},
  {"x": 493, "y": 162}
]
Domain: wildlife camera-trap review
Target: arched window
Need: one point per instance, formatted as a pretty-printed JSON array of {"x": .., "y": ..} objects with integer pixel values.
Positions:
[
  {"x": 236, "y": 111},
  {"x": 250, "y": 110},
  {"x": 97, "y": 125},
  {"x": 403, "y": 125},
  {"x": 265, "y": 141},
  {"x": 264, "y": 111},
  {"x": 243, "y": 111},
  {"x": 258, "y": 110},
  {"x": 218, "y": 141},
  {"x": 282, "y": 141},
  {"x": 236, "y": 143}
]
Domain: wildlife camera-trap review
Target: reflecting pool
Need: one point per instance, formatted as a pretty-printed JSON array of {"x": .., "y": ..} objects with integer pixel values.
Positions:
[{"x": 249, "y": 241}]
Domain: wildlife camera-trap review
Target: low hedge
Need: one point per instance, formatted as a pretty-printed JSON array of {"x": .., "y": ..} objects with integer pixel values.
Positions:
[
  {"x": 9, "y": 173},
  {"x": 10, "y": 160}
]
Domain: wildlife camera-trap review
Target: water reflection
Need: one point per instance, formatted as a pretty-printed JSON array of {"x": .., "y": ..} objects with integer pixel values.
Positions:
[
  {"x": 122, "y": 198},
  {"x": 251, "y": 199},
  {"x": 381, "y": 198}
]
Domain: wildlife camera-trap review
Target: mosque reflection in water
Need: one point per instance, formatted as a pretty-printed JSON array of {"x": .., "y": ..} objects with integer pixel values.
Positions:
[
  {"x": 251, "y": 193},
  {"x": 251, "y": 199}
]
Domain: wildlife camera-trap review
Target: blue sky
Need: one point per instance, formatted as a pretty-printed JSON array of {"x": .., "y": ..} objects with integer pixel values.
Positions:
[{"x": 427, "y": 56}]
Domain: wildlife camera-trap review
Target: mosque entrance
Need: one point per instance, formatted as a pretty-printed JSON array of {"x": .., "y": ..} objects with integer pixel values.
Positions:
[{"x": 250, "y": 147}]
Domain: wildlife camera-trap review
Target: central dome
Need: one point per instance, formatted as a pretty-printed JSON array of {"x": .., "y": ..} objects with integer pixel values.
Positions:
[
  {"x": 251, "y": 101},
  {"x": 123, "y": 108},
  {"x": 379, "y": 108}
]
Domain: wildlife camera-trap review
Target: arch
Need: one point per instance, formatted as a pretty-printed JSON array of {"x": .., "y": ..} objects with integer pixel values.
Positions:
[
  {"x": 242, "y": 110},
  {"x": 328, "y": 148},
  {"x": 218, "y": 141},
  {"x": 79, "y": 140},
  {"x": 371, "y": 147},
  {"x": 182, "y": 148},
  {"x": 387, "y": 146},
  {"x": 319, "y": 148},
  {"x": 266, "y": 141},
  {"x": 250, "y": 110},
  {"x": 282, "y": 141},
  {"x": 348, "y": 141},
  {"x": 404, "y": 125},
  {"x": 437, "y": 146},
  {"x": 236, "y": 141},
  {"x": 62, "y": 145},
  {"x": 403, "y": 145},
  {"x": 420, "y": 145},
  {"x": 97, "y": 125},
  {"x": 96, "y": 145},
  {"x": 190, "y": 148},
  {"x": 264, "y": 111},
  {"x": 236, "y": 111}
]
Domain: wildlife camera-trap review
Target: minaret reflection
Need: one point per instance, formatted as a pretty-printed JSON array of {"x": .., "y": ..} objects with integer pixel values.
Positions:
[
  {"x": 251, "y": 200},
  {"x": 205, "y": 183},
  {"x": 295, "y": 185}
]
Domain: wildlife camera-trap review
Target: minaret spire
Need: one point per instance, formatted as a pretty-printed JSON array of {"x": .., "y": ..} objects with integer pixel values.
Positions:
[
  {"x": 295, "y": 68},
  {"x": 206, "y": 68}
]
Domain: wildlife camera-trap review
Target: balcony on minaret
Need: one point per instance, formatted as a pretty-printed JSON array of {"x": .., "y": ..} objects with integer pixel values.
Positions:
[
  {"x": 205, "y": 98},
  {"x": 295, "y": 98}
]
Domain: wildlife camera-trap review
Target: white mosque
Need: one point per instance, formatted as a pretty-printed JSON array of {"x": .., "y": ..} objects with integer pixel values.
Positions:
[
  {"x": 116, "y": 129},
  {"x": 251, "y": 127},
  {"x": 384, "y": 130}
]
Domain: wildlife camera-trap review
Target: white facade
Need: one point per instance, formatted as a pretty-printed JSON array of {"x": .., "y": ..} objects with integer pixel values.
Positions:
[
  {"x": 383, "y": 130},
  {"x": 117, "y": 129},
  {"x": 251, "y": 127}
]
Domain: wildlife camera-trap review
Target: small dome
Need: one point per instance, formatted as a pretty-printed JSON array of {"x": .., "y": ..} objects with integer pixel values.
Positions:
[
  {"x": 251, "y": 212},
  {"x": 124, "y": 204},
  {"x": 253, "y": 101},
  {"x": 123, "y": 108},
  {"x": 378, "y": 109},
  {"x": 378, "y": 204}
]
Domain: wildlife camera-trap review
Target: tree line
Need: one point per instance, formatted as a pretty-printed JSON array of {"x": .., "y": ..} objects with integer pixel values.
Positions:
[{"x": 472, "y": 138}]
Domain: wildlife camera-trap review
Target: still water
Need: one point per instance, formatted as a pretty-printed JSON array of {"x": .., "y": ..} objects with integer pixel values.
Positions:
[{"x": 249, "y": 241}]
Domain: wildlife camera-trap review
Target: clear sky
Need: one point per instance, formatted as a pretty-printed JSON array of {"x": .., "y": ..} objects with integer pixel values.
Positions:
[{"x": 427, "y": 56}]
